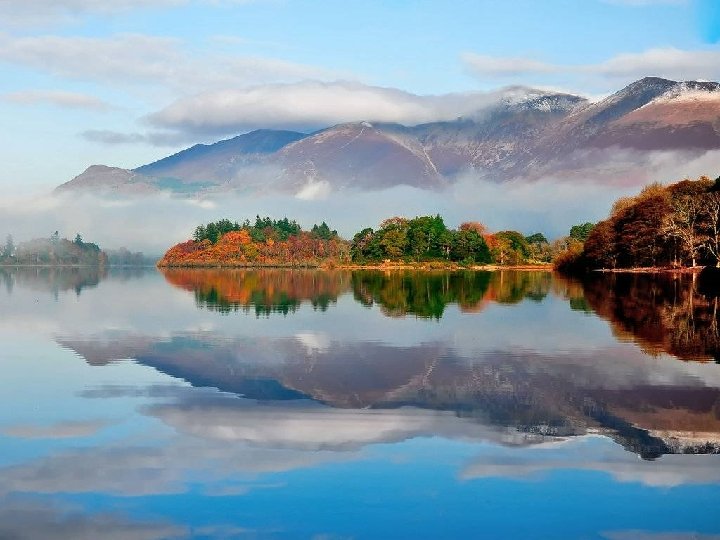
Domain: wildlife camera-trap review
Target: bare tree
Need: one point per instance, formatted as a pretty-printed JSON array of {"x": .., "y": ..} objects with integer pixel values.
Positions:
[
  {"x": 712, "y": 214},
  {"x": 683, "y": 224}
]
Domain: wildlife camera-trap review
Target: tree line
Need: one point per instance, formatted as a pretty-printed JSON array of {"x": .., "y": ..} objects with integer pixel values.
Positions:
[
  {"x": 268, "y": 241},
  {"x": 675, "y": 226},
  {"x": 260, "y": 230},
  {"x": 427, "y": 238},
  {"x": 52, "y": 251},
  {"x": 264, "y": 242}
]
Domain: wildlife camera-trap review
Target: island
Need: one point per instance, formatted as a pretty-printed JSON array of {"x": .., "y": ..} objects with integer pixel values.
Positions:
[
  {"x": 420, "y": 242},
  {"x": 52, "y": 251}
]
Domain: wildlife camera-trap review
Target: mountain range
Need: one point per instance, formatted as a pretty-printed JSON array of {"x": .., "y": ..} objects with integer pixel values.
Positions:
[{"x": 526, "y": 134}]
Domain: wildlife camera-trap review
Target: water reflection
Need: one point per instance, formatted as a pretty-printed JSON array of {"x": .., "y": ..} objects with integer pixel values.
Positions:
[
  {"x": 662, "y": 313},
  {"x": 557, "y": 391},
  {"x": 52, "y": 279},
  {"x": 402, "y": 398},
  {"x": 57, "y": 279},
  {"x": 532, "y": 393},
  {"x": 264, "y": 291},
  {"x": 398, "y": 293}
]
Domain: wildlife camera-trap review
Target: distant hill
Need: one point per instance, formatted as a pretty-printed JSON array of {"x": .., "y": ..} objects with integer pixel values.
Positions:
[
  {"x": 216, "y": 162},
  {"x": 54, "y": 251},
  {"x": 526, "y": 134}
]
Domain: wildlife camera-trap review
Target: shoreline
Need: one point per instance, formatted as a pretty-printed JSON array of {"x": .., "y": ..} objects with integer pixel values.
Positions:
[
  {"x": 426, "y": 266},
  {"x": 652, "y": 270}
]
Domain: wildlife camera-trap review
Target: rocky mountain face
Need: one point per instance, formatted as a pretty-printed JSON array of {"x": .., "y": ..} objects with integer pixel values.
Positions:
[{"x": 540, "y": 133}]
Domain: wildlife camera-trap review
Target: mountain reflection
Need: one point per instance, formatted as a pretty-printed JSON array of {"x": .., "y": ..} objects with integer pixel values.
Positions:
[
  {"x": 522, "y": 352},
  {"x": 558, "y": 395},
  {"x": 662, "y": 313}
]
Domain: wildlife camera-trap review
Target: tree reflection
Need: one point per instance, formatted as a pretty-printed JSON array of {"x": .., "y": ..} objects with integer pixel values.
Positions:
[
  {"x": 397, "y": 293},
  {"x": 54, "y": 279},
  {"x": 661, "y": 312},
  {"x": 426, "y": 294},
  {"x": 265, "y": 291}
]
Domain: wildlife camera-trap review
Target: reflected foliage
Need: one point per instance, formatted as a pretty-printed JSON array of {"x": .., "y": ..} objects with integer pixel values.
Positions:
[
  {"x": 57, "y": 279},
  {"x": 661, "y": 312},
  {"x": 263, "y": 291},
  {"x": 52, "y": 279},
  {"x": 420, "y": 293},
  {"x": 426, "y": 294},
  {"x": 397, "y": 293}
]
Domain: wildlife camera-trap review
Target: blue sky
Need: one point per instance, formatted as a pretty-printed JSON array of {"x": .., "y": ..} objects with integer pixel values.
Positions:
[{"x": 129, "y": 81}]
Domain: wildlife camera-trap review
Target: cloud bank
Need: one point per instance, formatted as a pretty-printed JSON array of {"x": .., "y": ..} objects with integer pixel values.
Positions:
[
  {"x": 133, "y": 59},
  {"x": 70, "y": 100},
  {"x": 309, "y": 105},
  {"x": 668, "y": 62}
]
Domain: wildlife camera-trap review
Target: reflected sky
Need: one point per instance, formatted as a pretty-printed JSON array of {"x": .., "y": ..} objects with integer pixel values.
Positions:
[{"x": 280, "y": 404}]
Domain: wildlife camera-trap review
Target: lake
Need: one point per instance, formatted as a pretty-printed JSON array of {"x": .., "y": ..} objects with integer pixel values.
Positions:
[{"x": 139, "y": 404}]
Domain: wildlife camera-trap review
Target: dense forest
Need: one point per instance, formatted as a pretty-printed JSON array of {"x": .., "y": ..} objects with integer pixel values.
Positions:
[
  {"x": 663, "y": 226},
  {"x": 52, "y": 251},
  {"x": 427, "y": 238},
  {"x": 422, "y": 239},
  {"x": 266, "y": 242}
]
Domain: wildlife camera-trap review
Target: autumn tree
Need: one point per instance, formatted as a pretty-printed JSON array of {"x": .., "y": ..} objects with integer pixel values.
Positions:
[
  {"x": 684, "y": 221},
  {"x": 476, "y": 226},
  {"x": 600, "y": 248},
  {"x": 662, "y": 225},
  {"x": 712, "y": 228}
]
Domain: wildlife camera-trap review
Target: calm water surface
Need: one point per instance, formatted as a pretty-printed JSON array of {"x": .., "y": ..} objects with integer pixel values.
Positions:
[{"x": 282, "y": 404}]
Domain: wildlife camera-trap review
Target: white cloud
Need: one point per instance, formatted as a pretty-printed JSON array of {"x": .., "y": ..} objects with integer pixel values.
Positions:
[
  {"x": 110, "y": 137},
  {"x": 53, "y": 12},
  {"x": 25, "y": 520},
  {"x": 314, "y": 190},
  {"x": 307, "y": 103},
  {"x": 62, "y": 430},
  {"x": 72, "y": 100},
  {"x": 125, "y": 59},
  {"x": 316, "y": 428},
  {"x": 311, "y": 105},
  {"x": 504, "y": 66},
  {"x": 591, "y": 453},
  {"x": 666, "y": 62}
]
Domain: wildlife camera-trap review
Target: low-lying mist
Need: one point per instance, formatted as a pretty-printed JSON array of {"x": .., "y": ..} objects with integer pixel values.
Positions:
[{"x": 151, "y": 223}]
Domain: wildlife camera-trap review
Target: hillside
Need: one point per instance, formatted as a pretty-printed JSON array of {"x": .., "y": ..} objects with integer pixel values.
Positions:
[{"x": 526, "y": 134}]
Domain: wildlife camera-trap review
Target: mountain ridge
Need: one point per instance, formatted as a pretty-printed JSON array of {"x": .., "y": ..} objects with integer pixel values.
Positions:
[{"x": 525, "y": 134}]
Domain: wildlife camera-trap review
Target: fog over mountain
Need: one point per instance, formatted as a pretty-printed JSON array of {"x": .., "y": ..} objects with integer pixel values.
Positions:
[
  {"x": 528, "y": 160},
  {"x": 518, "y": 134}
]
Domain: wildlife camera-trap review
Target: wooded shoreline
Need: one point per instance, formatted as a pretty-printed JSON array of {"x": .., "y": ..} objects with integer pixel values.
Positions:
[{"x": 424, "y": 266}]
